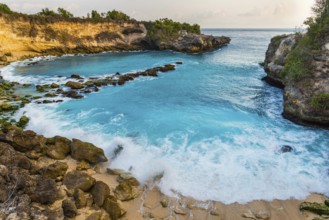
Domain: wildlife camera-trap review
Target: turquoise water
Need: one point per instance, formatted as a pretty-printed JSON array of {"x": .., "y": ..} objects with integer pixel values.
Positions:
[{"x": 212, "y": 127}]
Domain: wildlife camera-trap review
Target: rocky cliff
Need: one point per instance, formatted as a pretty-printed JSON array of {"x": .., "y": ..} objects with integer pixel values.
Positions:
[
  {"x": 306, "y": 96},
  {"x": 23, "y": 36}
]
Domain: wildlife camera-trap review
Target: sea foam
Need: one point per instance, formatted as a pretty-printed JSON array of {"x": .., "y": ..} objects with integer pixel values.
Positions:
[{"x": 245, "y": 167}]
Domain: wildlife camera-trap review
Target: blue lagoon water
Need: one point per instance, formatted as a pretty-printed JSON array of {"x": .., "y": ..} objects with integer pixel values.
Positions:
[{"x": 212, "y": 127}]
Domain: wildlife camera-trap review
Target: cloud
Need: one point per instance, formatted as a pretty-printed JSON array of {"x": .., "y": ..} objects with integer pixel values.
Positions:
[{"x": 277, "y": 9}]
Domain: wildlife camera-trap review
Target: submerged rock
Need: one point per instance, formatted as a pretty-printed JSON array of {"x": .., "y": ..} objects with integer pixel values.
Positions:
[{"x": 286, "y": 149}]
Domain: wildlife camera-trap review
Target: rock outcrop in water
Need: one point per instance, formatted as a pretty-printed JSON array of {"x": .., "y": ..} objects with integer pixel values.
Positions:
[
  {"x": 194, "y": 43},
  {"x": 306, "y": 98}
]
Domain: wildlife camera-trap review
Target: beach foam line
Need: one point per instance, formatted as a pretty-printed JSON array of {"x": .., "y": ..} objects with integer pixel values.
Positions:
[{"x": 247, "y": 167}]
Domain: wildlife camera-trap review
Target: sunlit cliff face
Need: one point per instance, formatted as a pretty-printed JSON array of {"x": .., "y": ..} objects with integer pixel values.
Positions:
[{"x": 208, "y": 13}]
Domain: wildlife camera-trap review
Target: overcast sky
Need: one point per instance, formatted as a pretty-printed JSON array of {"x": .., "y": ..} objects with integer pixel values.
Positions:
[{"x": 207, "y": 13}]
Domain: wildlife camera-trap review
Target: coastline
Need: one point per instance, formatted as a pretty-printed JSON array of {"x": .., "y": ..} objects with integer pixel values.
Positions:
[
  {"x": 149, "y": 204},
  {"x": 138, "y": 202}
]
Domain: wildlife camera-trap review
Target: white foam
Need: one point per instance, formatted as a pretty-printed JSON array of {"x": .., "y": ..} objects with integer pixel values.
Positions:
[{"x": 242, "y": 168}]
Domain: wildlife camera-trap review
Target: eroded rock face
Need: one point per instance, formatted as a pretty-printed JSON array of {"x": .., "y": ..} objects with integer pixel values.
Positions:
[
  {"x": 276, "y": 55},
  {"x": 194, "y": 43},
  {"x": 87, "y": 151},
  {"x": 306, "y": 100}
]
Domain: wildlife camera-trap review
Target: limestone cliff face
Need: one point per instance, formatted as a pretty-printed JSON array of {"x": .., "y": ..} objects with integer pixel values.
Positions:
[
  {"x": 21, "y": 38},
  {"x": 306, "y": 100},
  {"x": 276, "y": 55},
  {"x": 28, "y": 36}
]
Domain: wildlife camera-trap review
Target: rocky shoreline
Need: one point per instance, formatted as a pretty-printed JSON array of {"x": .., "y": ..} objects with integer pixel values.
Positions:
[{"x": 58, "y": 178}]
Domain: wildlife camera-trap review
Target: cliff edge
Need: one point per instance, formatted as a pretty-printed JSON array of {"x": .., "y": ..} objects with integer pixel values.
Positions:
[
  {"x": 293, "y": 62},
  {"x": 48, "y": 33}
]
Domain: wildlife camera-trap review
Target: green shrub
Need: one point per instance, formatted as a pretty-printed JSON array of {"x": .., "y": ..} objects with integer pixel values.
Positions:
[
  {"x": 64, "y": 13},
  {"x": 5, "y": 9},
  {"x": 299, "y": 61},
  {"x": 23, "y": 121},
  {"x": 117, "y": 16},
  {"x": 166, "y": 29},
  {"x": 321, "y": 101},
  {"x": 47, "y": 12}
]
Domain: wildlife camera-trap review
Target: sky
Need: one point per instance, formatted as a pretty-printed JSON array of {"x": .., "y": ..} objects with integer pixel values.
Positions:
[{"x": 207, "y": 13}]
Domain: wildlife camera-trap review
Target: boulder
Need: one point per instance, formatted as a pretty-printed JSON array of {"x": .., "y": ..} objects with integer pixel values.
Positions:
[
  {"x": 125, "y": 191},
  {"x": 59, "y": 147},
  {"x": 87, "y": 151},
  {"x": 113, "y": 208},
  {"x": 76, "y": 76},
  {"x": 320, "y": 209},
  {"x": 78, "y": 180},
  {"x": 79, "y": 198},
  {"x": 74, "y": 85},
  {"x": 69, "y": 208},
  {"x": 126, "y": 177},
  {"x": 54, "y": 86},
  {"x": 100, "y": 191},
  {"x": 98, "y": 215},
  {"x": 72, "y": 94},
  {"x": 45, "y": 192},
  {"x": 54, "y": 170},
  {"x": 24, "y": 141}
]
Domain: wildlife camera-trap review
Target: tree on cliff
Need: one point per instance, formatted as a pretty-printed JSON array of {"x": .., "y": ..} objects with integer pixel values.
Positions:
[
  {"x": 64, "y": 13},
  {"x": 4, "y": 8},
  {"x": 47, "y": 12},
  {"x": 117, "y": 16},
  {"x": 95, "y": 15}
]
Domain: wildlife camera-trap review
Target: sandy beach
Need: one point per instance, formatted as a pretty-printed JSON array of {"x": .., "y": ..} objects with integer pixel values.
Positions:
[{"x": 152, "y": 204}]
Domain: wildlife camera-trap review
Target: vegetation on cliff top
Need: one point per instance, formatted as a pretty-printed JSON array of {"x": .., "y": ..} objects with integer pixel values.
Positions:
[
  {"x": 299, "y": 61},
  {"x": 166, "y": 28},
  {"x": 162, "y": 29}
]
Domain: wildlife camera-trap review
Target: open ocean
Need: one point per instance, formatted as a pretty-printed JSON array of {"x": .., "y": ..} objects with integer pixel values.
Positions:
[{"x": 211, "y": 127}]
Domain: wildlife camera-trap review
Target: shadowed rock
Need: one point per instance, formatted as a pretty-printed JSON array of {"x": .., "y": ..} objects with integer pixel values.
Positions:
[
  {"x": 99, "y": 192},
  {"x": 78, "y": 180},
  {"x": 87, "y": 151}
]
